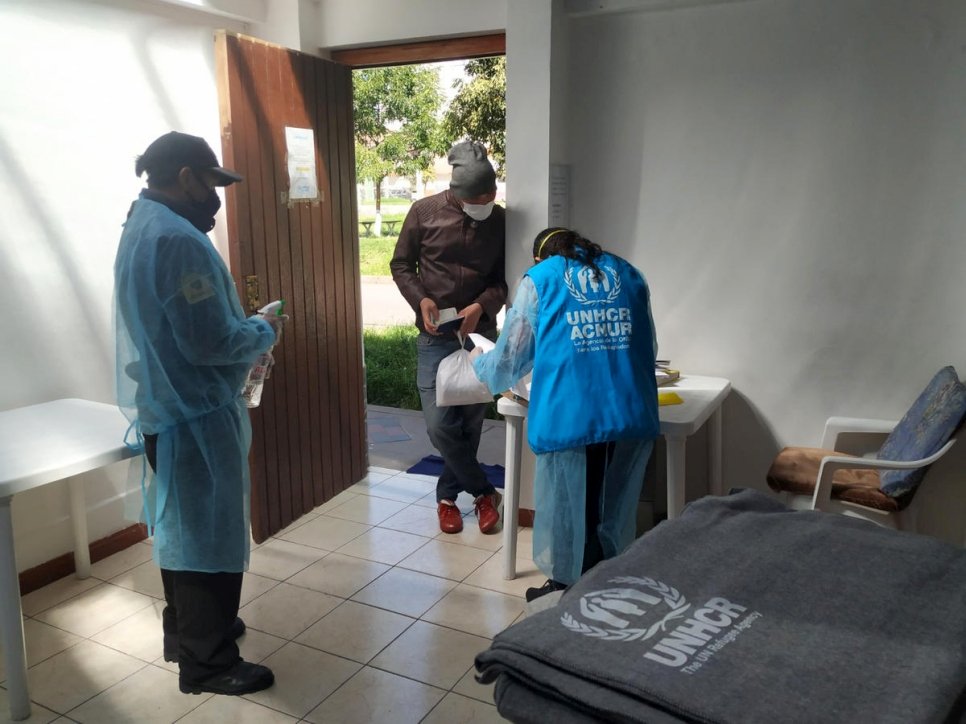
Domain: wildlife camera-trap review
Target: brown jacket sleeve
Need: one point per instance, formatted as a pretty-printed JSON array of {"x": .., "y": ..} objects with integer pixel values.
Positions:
[{"x": 405, "y": 261}]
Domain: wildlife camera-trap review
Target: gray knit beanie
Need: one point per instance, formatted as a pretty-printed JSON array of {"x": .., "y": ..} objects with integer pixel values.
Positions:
[{"x": 473, "y": 175}]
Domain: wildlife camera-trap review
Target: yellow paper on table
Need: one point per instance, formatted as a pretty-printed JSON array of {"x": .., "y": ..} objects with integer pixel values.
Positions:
[{"x": 669, "y": 398}]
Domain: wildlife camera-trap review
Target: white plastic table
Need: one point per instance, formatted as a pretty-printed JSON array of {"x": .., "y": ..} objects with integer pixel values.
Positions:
[
  {"x": 42, "y": 444},
  {"x": 702, "y": 402}
]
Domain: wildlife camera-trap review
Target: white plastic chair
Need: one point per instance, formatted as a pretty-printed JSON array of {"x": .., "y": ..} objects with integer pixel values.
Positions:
[{"x": 821, "y": 498}]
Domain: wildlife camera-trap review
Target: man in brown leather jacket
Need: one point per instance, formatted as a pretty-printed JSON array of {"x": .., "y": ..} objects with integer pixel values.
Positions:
[{"x": 450, "y": 253}]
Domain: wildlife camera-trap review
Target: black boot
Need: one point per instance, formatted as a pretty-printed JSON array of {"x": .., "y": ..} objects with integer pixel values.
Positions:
[
  {"x": 242, "y": 678},
  {"x": 549, "y": 587}
]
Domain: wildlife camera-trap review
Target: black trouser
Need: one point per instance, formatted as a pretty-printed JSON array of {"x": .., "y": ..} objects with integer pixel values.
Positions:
[
  {"x": 598, "y": 456},
  {"x": 200, "y": 611}
]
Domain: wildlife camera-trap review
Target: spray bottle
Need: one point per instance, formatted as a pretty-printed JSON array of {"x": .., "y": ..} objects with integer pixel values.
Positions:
[{"x": 261, "y": 370}]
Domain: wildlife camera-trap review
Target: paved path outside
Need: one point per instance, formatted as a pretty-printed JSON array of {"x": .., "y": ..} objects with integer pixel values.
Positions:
[{"x": 383, "y": 305}]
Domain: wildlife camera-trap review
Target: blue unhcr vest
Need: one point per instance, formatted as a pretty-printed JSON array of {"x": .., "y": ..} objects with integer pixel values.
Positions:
[{"x": 593, "y": 372}]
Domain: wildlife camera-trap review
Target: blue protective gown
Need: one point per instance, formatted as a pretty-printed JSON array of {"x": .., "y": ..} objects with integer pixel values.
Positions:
[
  {"x": 184, "y": 348},
  {"x": 560, "y": 476}
]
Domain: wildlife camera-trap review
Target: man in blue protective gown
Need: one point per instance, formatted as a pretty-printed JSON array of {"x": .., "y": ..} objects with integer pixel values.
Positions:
[
  {"x": 581, "y": 321},
  {"x": 184, "y": 347}
]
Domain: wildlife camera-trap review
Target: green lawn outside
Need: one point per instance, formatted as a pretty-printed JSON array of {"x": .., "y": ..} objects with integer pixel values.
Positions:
[
  {"x": 374, "y": 255},
  {"x": 376, "y": 251}
]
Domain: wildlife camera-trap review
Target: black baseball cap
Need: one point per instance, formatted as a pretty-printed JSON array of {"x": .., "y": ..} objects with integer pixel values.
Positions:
[{"x": 173, "y": 151}]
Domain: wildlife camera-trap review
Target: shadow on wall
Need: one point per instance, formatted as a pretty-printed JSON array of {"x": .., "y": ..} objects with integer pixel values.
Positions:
[
  {"x": 141, "y": 46},
  {"x": 84, "y": 303},
  {"x": 748, "y": 443},
  {"x": 942, "y": 497}
]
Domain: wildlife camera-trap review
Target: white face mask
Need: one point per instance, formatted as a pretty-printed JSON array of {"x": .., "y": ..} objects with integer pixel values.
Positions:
[{"x": 478, "y": 212}]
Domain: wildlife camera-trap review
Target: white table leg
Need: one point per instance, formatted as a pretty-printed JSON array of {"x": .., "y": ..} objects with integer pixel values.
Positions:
[
  {"x": 675, "y": 475},
  {"x": 78, "y": 517},
  {"x": 511, "y": 492},
  {"x": 11, "y": 620},
  {"x": 714, "y": 453}
]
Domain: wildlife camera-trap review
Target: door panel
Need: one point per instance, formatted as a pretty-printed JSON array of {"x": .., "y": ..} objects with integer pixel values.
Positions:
[{"x": 308, "y": 438}]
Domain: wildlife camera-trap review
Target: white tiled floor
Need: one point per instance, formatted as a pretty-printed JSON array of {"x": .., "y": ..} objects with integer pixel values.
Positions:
[{"x": 364, "y": 610}]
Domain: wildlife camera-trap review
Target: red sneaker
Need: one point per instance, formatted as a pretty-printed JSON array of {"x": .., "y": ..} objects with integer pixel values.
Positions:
[
  {"x": 486, "y": 512},
  {"x": 450, "y": 518}
]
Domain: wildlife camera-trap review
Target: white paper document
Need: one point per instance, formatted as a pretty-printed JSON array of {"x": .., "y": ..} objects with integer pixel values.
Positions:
[{"x": 300, "y": 147}]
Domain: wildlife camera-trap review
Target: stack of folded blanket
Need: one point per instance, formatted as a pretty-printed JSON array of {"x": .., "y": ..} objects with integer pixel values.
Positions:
[{"x": 743, "y": 611}]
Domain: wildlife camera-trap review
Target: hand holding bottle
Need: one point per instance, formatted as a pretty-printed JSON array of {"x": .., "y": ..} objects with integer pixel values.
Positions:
[
  {"x": 272, "y": 313},
  {"x": 261, "y": 370}
]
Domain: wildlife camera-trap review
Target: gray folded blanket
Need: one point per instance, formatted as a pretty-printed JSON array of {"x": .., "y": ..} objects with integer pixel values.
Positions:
[{"x": 743, "y": 611}]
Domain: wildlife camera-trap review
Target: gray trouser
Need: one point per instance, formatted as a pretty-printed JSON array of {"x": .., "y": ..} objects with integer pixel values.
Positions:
[{"x": 454, "y": 431}]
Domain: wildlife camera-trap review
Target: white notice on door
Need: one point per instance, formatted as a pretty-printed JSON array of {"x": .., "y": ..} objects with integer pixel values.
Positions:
[{"x": 302, "y": 179}]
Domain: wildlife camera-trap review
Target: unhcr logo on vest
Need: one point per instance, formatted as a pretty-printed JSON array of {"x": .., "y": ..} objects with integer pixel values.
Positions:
[
  {"x": 646, "y": 610},
  {"x": 602, "y": 327},
  {"x": 593, "y": 290}
]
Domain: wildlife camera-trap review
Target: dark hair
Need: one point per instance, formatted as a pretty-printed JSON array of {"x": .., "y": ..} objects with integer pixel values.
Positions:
[
  {"x": 160, "y": 175},
  {"x": 560, "y": 241}
]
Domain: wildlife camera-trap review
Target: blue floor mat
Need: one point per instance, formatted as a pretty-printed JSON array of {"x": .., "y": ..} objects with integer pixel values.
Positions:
[{"x": 433, "y": 465}]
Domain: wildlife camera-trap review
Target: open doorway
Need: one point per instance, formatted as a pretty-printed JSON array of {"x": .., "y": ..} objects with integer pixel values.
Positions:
[{"x": 407, "y": 116}]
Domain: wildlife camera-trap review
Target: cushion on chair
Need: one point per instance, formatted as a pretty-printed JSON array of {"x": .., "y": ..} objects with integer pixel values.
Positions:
[
  {"x": 925, "y": 428},
  {"x": 795, "y": 470}
]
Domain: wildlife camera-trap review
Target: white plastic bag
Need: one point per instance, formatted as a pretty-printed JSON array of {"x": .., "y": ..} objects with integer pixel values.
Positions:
[
  {"x": 457, "y": 383},
  {"x": 522, "y": 386}
]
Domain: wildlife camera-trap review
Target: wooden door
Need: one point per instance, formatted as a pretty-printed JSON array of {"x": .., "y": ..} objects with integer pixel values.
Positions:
[{"x": 309, "y": 440}]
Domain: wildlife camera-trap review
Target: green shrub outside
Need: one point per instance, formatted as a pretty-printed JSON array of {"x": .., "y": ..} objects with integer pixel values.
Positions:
[{"x": 390, "y": 356}]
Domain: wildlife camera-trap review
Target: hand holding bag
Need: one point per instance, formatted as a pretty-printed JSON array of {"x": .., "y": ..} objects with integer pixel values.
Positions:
[{"x": 457, "y": 383}]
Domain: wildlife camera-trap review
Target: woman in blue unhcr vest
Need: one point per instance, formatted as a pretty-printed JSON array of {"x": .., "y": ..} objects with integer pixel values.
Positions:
[{"x": 581, "y": 321}]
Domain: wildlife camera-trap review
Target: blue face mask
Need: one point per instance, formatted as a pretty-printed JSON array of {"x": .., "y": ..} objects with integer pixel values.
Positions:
[{"x": 478, "y": 212}]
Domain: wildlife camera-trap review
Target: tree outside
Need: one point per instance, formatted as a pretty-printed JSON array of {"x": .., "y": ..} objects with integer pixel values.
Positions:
[
  {"x": 478, "y": 110},
  {"x": 396, "y": 123}
]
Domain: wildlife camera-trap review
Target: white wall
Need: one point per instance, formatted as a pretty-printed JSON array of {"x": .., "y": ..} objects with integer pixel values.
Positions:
[
  {"x": 528, "y": 126},
  {"x": 371, "y": 22},
  {"x": 85, "y": 87},
  {"x": 790, "y": 177}
]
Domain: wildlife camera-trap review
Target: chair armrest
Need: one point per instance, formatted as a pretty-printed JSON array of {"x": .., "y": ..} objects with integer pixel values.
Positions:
[
  {"x": 835, "y": 426},
  {"x": 831, "y": 463}
]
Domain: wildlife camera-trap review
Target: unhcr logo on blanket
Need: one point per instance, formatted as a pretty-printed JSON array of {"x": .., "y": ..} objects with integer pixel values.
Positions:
[{"x": 646, "y": 610}]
